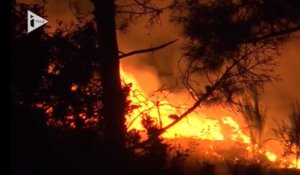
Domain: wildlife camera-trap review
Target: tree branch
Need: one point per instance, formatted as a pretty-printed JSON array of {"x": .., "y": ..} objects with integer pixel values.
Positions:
[
  {"x": 204, "y": 96},
  {"x": 152, "y": 49},
  {"x": 120, "y": 52},
  {"x": 272, "y": 35},
  {"x": 182, "y": 116}
]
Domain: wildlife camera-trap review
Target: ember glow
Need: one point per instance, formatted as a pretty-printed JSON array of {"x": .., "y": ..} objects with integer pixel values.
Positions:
[{"x": 222, "y": 129}]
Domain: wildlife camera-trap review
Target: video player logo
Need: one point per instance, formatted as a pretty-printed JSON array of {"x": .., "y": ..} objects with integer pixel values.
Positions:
[{"x": 34, "y": 21}]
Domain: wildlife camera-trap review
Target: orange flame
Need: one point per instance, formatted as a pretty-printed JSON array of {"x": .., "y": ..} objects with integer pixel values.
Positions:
[{"x": 196, "y": 125}]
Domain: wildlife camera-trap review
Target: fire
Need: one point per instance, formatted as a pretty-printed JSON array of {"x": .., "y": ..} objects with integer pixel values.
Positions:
[
  {"x": 296, "y": 164},
  {"x": 196, "y": 125},
  {"x": 238, "y": 134},
  {"x": 52, "y": 69},
  {"x": 74, "y": 87},
  {"x": 271, "y": 156},
  {"x": 222, "y": 130}
]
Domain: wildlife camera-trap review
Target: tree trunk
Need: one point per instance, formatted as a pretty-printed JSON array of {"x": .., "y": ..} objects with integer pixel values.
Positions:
[{"x": 113, "y": 96}]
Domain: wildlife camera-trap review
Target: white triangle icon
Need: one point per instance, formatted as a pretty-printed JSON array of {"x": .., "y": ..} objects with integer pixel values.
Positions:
[{"x": 34, "y": 21}]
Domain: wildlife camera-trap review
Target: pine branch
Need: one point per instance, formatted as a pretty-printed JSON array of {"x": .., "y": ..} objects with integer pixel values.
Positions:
[{"x": 152, "y": 49}]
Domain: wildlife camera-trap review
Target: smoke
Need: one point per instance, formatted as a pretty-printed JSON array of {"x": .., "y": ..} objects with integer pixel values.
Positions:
[
  {"x": 278, "y": 96},
  {"x": 163, "y": 62}
]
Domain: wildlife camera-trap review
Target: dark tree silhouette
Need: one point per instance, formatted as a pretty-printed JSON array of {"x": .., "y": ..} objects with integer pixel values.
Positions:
[
  {"x": 254, "y": 115},
  {"x": 69, "y": 86},
  {"x": 288, "y": 133},
  {"x": 113, "y": 96},
  {"x": 31, "y": 152}
]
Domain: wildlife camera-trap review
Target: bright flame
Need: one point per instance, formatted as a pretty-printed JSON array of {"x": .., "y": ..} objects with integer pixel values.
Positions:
[
  {"x": 195, "y": 125},
  {"x": 296, "y": 164},
  {"x": 238, "y": 134},
  {"x": 271, "y": 156}
]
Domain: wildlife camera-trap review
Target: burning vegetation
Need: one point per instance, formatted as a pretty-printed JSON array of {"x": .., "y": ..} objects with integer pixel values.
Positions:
[
  {"x": 213, "y": 135},
  {"x": 82, "y": 101}
]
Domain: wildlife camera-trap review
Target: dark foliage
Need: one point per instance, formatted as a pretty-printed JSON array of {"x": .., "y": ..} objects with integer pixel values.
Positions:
[
  {"x": 206, "y": 168},
  {"x": 29, "y": 55},
  {"x": 57, "y": 102},
  {"x": 247, "y": 169},
  {"x": 217, "y": 30},
  {"x": 71, "y": 92},
  {"x": 288, "y": 133}
]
